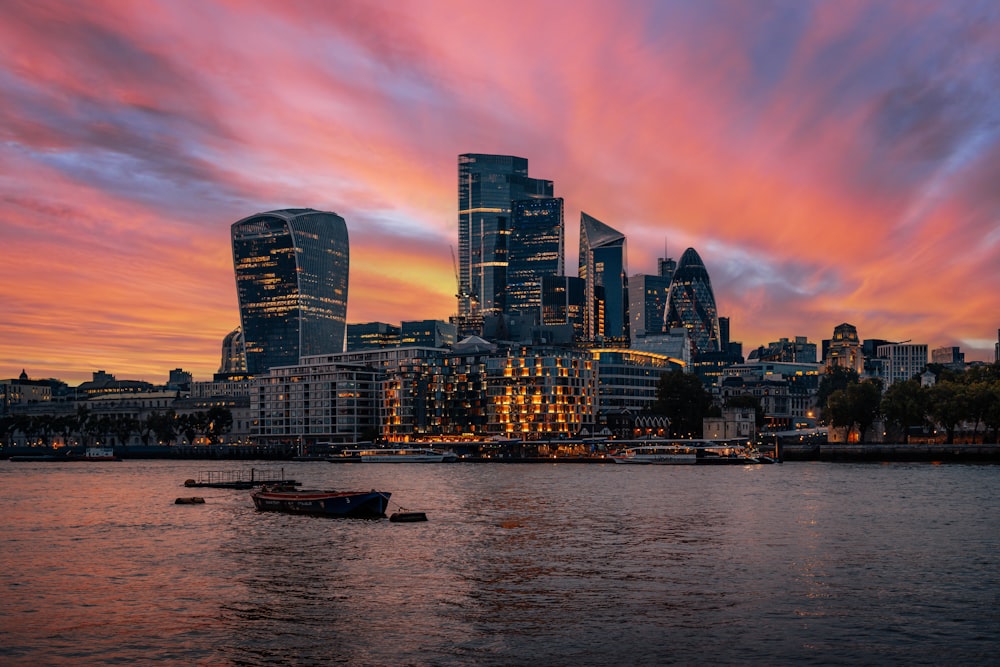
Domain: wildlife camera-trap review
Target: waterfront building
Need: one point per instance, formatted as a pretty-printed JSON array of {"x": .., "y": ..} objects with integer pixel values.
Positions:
[
  {"x": 312, "y": 403},
  {"x": 629, "y": 379},
  {"x": 603, "y": 266},
  {"x": 428, "y": 333},
  {"x": 675, "y": 344},
  {"x": 536, "y": 250},
  {"x": 291, "y": 279},
  {"x": 647, "y": 304},
  {"x": 734, "y": 424},
  {"x": 487, "y": 187},
  {"x": 844, "y": 349},
  {"x": 234, "y": 360},
  {"x": 372, "y": 335},
  {"x": 22, "y": 391},
  {"x": 540, "y": 393},
  {"x": 903, "y": 361},
  {"x": 691, "y": 304}
]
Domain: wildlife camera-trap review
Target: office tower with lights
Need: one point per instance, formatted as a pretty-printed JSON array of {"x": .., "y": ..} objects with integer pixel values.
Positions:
[
  {"x": 603, "y": 266},
  {"x": 291, "y": 280},
  {"x": 536, "y": 250},
  {"x": 691, "y": 304},
  {"x": 488, "y": 185},
  {"x": 647, "y": 304}
]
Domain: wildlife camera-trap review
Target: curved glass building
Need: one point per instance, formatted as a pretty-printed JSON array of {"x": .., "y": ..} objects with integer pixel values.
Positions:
[
  {"x": 291, "y": 280},
  {"x": 691, "y": 304}
]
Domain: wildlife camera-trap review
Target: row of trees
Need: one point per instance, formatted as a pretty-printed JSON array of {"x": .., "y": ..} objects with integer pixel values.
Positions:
[
  {"x": 958, "y": 402},
  {"x": 89, "y": 428}
]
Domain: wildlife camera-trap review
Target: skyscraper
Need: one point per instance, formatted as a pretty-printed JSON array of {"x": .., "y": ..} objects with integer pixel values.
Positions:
[
  {"x": 536, "y": 249},
  {"x": 647, "y": 303},
  {"x": 487, "y": 187},
  {"x": 291, "y": 280},
  {"x": 692, "y": 304},
  {"x": 603, "y": 266}
]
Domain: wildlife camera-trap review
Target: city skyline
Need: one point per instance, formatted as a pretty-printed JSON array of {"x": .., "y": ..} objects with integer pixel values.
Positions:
[{"x": 830, "y": 162}]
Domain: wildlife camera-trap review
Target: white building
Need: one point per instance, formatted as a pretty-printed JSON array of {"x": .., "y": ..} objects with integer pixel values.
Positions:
[{"x": 903, "y": 361}]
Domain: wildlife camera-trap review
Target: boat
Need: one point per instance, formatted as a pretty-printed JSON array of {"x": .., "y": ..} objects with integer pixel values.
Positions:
[
  {"x": 89, "y": 454},
  {"x": 726, "y": 453},
  {"x": 396, "y": 455},
  {"x": 358, "y": 504},
  {"x": 658, "y": 454}
]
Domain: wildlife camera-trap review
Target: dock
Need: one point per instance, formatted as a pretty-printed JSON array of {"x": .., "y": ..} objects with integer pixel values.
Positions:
[{"x": 240, "y": 479}]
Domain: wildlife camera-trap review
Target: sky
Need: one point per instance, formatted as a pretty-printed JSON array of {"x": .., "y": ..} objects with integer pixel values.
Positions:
[{"x": 831, "y": 161}]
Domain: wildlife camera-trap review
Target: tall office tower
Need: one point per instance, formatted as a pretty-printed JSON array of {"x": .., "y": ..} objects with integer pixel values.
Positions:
[
  {"x": 536, "y": 249},
  {"x": 603, "y": 266},
  {"x": 234, "y": 359},
  {"x": 291, "y": 280},
  {"x": 564, "y": 302},
  {"x": 996, "y": 350},
  {"x": 647, "y": 303},
  {"x": 692, "y": 304},
  {"x": 487, "y": 187}
]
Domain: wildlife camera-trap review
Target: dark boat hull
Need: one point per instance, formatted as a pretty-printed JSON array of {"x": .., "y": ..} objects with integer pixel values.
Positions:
[{"x": 361, "y": 504}]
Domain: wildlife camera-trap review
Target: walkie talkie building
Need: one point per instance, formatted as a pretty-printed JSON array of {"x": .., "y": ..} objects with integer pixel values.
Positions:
[{"x": 291, "y": 280}]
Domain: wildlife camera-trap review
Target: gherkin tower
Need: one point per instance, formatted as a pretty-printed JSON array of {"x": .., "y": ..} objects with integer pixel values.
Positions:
[{"x": 691, "y": 304}]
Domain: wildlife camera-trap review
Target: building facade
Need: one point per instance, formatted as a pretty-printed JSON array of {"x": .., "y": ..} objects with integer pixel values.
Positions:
[
  {"x": 292, "y": 271},
  {"x": 372, "y": 335},
  {"x": 844, "y": 349},
  {"x": 647, "y": 304}
]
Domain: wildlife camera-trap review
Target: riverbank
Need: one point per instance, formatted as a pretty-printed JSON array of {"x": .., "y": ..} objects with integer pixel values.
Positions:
[{"x": 857, "y": 453}]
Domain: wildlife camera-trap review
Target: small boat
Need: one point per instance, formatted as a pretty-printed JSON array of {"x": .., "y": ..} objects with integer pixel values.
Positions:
[
  {"x": 726, "y": 453},
  {"x": 397, "y": 455},
  {"x": 190, "y": 500},
  {"x": 360, "y": 504},
  {"x": 660, "y": 454}
]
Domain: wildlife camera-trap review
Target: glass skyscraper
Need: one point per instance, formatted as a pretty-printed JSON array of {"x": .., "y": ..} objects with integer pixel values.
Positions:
[
  {"x": 603, "y": 266},
  {"x": 291, "y": 281},
  {"x": 535, "y": 250},
  {"x": 692, "y": 304},
  {"x": 487, "y": 187}
]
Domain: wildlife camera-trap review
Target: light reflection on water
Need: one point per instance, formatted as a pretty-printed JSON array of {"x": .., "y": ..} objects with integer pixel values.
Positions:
[{"x": 518, "y": 564}]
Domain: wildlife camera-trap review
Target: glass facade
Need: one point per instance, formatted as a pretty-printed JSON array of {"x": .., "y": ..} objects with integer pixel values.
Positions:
[
  {"x": 692, "y": 304},
  {"x": 291, "y": 280},
  {"x": 563, "y": 302},
  {"x": 603, "y": 268},
  {"x": 647, "y": 303},
  {"x": 487, "y": 187},
  {"x": 536, "y": 250}
]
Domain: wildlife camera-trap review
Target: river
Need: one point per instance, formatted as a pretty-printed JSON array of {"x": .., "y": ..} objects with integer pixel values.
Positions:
[{"x": 518, "y": 564}]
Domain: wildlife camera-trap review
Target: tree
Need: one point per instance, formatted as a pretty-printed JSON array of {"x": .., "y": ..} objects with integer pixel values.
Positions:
[
  {"x": 219, "y": 423},
  {"x": 905, "y": 405},
  {"x": 683, "y": 399},
  {"x": 835, "y": 378},
  {"x": 857, "y": 404},
  {"x": 948, "y": 406}
]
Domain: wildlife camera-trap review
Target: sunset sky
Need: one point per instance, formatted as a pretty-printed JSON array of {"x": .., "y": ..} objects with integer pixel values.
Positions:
[{"x": 830, "y": 161}]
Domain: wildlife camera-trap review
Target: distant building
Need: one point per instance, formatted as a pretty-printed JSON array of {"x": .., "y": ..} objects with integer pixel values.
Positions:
[
  {"x": 564, "y": 302},
  {"x": 692, "y": 304},
  {"x": 844, "y": 349},
  {"x": 234, "y": 360},
  {"x": 996, "y": 350},
  {"x": 950, "y": 357},
  {"x": 629, "y": 379},
  {"x": 647, "y": 304},
  {"x": 666, "y": 267},
  {"x": 291, "y": 279},
  {"x": 903, "y": 361},
  {"x": 603, "y": 266},
  {"x": 22, "y": 391},
  {"x": 106, "y": 384},
  {"x": 428, "y": 333},
  {"x": 798, "y": 350},
  {"x": 180, "y": 380},
  {"x": 372, "y": 335}
]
